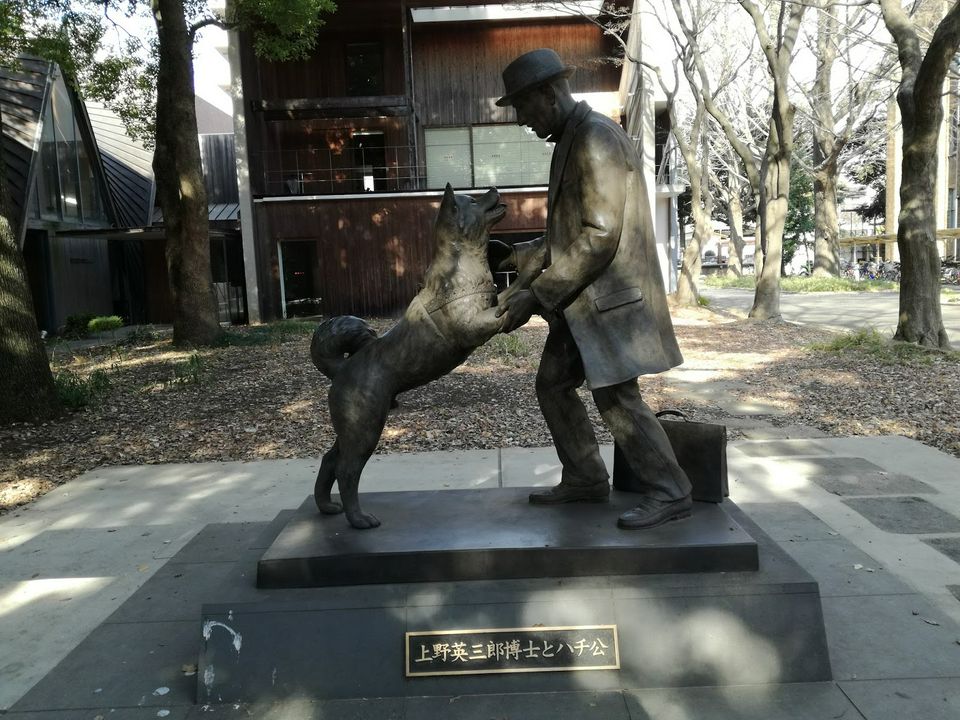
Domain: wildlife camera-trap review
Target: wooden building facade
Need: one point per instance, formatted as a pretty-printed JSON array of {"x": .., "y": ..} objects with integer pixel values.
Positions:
[{"x": 348, "y": 151}]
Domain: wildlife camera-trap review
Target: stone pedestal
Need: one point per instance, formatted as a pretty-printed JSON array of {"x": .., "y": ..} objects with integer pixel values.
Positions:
[
  {"x": 451, "y": 535},
  {"x": 688, "y": 606}
]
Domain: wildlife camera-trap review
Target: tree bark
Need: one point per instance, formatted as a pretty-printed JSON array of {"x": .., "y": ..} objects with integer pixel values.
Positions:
[
  {"x": 775, "y": 168},
  {"x": 826, "y": 248},
  {"x": 27, "y": 391},
  {"x": 735, "y": 223},
  {"x": 921, "y": 110},
  {"x": 826, "y": 221},
  {"x": 180, "y": 185},
  {"x": 688, "y": 292}
]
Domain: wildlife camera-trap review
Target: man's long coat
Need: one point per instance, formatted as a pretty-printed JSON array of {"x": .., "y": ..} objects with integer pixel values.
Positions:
[{"x": 602, "y": 271}]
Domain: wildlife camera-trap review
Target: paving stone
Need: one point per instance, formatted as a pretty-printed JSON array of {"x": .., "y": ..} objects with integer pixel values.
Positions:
[
  {"x": 890, "y": 636},
  {"x": 785, "y": 432},
  {"x": 800, "y": 701},
  {"x": 843, "y": 570},
  {"x": 949, "y": 546},
  {"x": 124, "y": 665},
  {"x": 525, "y": 706},
  {"x": 905, "y": 515},
  {"x": 898, "y": 699},
  {"x": 112, "y": 713},
  {"x": 788, "y": 521},
  {"x": 784, "y": 448},
  {"x": 303, "y": 709},
  {"x": 856, "y": 476}
]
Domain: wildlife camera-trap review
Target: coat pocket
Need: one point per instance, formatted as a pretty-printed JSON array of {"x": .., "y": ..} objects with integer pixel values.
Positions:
[{"x": 621, "y": 297}]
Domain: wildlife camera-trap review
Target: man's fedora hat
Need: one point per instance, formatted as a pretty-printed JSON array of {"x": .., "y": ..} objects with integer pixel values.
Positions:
[{"x": 531, "y": 69}]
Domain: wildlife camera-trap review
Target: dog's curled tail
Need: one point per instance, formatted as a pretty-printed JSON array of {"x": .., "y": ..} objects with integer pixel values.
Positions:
[{"x": 336, "y": 339}]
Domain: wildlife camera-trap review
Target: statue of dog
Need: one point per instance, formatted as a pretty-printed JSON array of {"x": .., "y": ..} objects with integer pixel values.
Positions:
[{"x": 452, "y": 315}]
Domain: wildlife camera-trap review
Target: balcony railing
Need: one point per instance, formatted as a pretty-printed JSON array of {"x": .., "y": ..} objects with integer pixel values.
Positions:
[
  {"x": 672, "y": 169},
  {"x": 395, "y": 169},
  {"x": 344, "y": 171}
]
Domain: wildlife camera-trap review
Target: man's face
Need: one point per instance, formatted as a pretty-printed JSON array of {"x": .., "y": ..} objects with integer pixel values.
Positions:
[{"x": 536, "y": 110}]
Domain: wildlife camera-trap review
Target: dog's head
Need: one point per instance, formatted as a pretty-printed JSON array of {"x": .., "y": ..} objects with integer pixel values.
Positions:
[{"x": 467, "y": 220}]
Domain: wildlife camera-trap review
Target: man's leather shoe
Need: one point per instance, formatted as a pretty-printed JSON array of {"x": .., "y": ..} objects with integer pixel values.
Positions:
[
  {"x": 565, "y": 493},
  {"x": 651, "y": 512}
]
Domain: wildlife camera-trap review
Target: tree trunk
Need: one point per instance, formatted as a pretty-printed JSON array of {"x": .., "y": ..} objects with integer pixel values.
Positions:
[
  {"x": 735, "y": 222},
  {"x": 826, "y": 247},
  {"x": 27, "y": 391},
  {"x": 774, "y": 200},
  {"x": 180, "y": 186},
  {"x": 826, "y": 230},
  {"x": 687, "y": 284},
  {"x": 688, "y": 292},
  {"x": 921, "y": 320}
]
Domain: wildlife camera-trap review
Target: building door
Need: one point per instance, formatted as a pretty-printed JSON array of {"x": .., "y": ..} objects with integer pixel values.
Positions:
[{"x": 298, "y": 267}]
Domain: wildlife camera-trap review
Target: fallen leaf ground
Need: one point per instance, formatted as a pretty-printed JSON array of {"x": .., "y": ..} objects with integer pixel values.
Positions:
[{"x": 264, "y": 399}]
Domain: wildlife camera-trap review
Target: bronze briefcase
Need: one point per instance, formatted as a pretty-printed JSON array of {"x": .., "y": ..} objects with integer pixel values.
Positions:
[{"x": 701, "y": 450}]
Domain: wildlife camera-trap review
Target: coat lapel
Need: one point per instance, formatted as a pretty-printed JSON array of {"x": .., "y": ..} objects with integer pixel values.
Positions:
[{"x": 562, "y": 152}]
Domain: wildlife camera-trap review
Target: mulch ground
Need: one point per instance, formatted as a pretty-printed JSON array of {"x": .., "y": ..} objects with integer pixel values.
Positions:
[{"x": 262, "y": 401}]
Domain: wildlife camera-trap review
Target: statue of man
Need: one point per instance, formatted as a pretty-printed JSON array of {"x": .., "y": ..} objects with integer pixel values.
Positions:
[{"x": 601, "y": 292}]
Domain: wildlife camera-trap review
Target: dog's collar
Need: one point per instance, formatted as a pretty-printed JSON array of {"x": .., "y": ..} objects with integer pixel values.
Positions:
[{"x": 492, "y": 290}]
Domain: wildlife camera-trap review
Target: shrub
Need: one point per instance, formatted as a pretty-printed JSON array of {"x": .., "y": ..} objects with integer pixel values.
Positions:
[
  {"x": 76, "y": 325},
  {"x": 273, "y": 333},
  {"x": 104, "y": 323},
  {"x": 76, "y": 391},
  {"x": 189, "y": 372},
  {"x": 140, "y": 335}
]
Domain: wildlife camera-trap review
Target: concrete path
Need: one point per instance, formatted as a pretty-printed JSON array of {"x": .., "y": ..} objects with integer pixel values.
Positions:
[
  {"x": 876, "y": 521},
  {"x": 837, "y": 311}
]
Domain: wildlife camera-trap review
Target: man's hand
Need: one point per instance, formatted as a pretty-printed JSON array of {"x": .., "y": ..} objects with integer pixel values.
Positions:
[
  {"x": 516, "y": 308},
  {"x": 500, "y": 256}
]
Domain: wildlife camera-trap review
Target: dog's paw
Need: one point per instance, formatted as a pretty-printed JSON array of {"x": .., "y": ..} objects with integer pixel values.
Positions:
[
  {"x": 329, "y": 507},
  {"x": 362, "y": 520}
]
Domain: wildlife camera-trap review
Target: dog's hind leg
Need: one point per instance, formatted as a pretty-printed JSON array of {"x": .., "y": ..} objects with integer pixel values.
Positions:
[
  {"x": 358, "y": 434},
  {"x": 325, "y": 479}
]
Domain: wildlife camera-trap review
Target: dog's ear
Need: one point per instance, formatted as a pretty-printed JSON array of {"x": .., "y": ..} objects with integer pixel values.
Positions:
[{"x": 449, "y": 202}]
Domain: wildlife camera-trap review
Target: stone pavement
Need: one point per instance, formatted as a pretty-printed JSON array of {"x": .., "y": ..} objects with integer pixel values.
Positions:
[
  {"x": 101, "y": 583},
  {"x": 843, "y": 311}
]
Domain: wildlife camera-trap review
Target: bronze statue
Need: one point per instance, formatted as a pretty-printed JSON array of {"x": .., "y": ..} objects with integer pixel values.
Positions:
[
  {"x": 449, "y": 318},
  {"x": 602, "y": 293}
]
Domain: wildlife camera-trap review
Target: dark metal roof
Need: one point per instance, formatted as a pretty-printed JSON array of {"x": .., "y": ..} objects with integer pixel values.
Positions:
[
  {"x": 127, "y": 164},
  {"x": 22, "y": 93},
  {"x": 217, "y": 212}
]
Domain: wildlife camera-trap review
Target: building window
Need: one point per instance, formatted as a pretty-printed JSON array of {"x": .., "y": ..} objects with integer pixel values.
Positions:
[
  {"x": 364, "y": 69},
  {"x": 66, "y": 187},
  {"x": 485, "y": 155}
]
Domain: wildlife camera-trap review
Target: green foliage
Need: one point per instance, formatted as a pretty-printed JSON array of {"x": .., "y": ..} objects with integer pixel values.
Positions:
[
  {"x": 105, "y": 323},
  {"x": 799, "y": 222},
  {"x": 76, "y": 391},
  {"x": 887, "y": 352},
  {"x": 729, "y": 280},
  {"x": 509, "y": 346},
  {"x": 191, "y": 371},
  {"x": 282, "y": 29},
  {"x": 140, "y": 336},
  {"x": 703, "y": 301},
  {"x": 78, "y": 325},
  {"x": 273, "y": 333}
]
